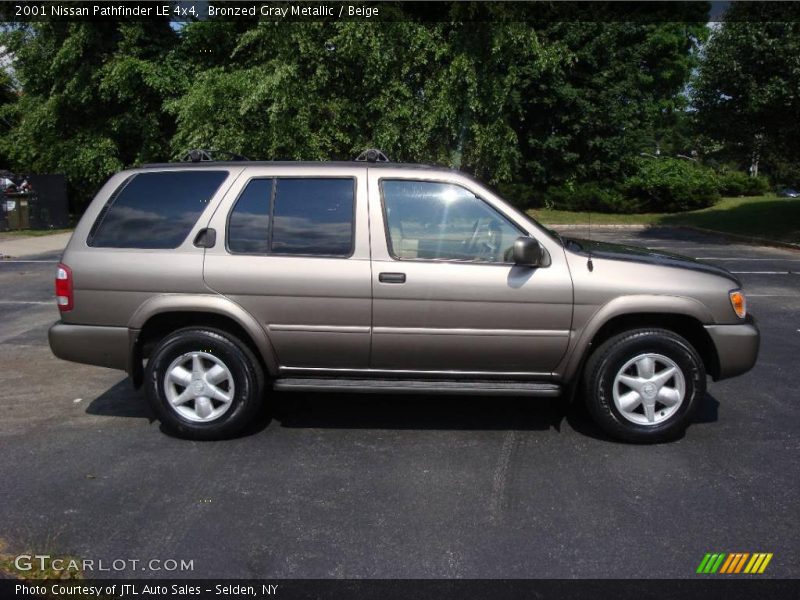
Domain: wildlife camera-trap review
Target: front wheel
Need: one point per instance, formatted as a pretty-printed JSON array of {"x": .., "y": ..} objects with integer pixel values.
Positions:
[
  {"x": 643, "y": 385},
  {"x": 204, "y": 383}
]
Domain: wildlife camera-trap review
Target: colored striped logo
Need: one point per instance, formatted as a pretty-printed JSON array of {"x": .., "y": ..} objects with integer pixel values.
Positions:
[{"x": 736, "y": 562}]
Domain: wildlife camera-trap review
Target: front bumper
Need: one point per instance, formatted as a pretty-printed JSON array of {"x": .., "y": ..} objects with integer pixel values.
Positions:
[
  {"x": 736, "y": 345},
  {"x": 101, "y": 346}
]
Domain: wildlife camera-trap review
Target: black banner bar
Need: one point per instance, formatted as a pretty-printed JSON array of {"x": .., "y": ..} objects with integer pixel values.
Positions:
[
  {"x": 533, "y": 11},
  {"x": 733, "y": 588}
]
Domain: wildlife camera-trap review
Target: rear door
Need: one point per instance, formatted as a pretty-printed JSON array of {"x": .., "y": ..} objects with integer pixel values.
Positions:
[
  {"x": 447, "y": 297},
  {"x": 293, "y": 250}
]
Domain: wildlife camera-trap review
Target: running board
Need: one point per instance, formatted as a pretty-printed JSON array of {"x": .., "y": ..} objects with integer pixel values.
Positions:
[{"x": 417, "y": 386}]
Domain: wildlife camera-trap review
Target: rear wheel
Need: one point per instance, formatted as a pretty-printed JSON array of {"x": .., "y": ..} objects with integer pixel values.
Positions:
[
  {"x": 204, "y": 383},
  {"x": 643, "y": 385}
]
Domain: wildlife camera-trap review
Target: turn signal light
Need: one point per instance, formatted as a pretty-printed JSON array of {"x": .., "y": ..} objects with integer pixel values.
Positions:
[
  {"x": 739, "y": 304},
  {"x": 64, "y": 287}
]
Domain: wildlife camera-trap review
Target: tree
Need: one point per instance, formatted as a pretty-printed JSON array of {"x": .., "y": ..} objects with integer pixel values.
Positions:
[
  {"x": 92, "y": 96},
  {"x": 747, "y": 92},
  {"x": 437, "y": 92},
  {"x": 618, "y": 92}
]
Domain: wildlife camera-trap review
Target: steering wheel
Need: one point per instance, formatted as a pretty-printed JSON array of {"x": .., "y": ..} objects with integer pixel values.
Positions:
[{"x": 473, "y": 240}]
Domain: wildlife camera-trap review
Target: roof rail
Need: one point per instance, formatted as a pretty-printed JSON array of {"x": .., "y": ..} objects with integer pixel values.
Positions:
[
  {"x": 372, "y": 155},
  {"x": 203, "y": 155}
]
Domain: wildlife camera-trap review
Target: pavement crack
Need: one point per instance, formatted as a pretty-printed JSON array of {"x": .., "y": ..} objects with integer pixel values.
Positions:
[{"x": 497, "y": 500}]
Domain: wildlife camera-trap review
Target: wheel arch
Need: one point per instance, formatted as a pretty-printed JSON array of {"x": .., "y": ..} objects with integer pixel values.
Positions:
[
  {"x": 683, "y": 316},
  {"x": 161, "y": 315}
]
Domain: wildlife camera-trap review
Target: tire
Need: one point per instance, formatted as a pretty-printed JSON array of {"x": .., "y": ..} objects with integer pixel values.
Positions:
[
  {"x": 204, "y": 384},
  {"x": 660, "y": 400}
]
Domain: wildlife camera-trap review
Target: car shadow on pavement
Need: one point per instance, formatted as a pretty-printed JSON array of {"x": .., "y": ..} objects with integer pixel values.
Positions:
[
  {"x": 121, "y": 400},
  {"x": 579, "y": 419},
  {"x": 397, "y": 411}
]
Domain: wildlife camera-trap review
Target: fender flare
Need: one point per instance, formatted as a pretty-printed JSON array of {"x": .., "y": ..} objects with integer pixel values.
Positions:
[
  {"x": 207, "y": 303},
  {"x": 621, "y": 306}
]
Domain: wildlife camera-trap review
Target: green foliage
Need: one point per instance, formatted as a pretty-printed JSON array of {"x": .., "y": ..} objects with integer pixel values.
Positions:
[
  {"x": 540, "y": 110},
  {"x": 590, "y": 197},
  {"x": 92, "y": 98},
  {"x": 672, "y": 185},
  {"x": 746, "y": 91},
  {"x": 736, "y": 183},
  {"x": 615, "y": 92},
  {"x": 428, "y": 92}
]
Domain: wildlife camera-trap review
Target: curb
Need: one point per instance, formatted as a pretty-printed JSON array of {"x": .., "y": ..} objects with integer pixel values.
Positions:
[
  {"x": 749, "y": 239},
  {"x": 607, "y": 226}
]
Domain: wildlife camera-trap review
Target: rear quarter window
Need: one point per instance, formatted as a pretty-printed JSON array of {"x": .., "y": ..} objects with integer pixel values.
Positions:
[{"x": 155, "y": 210}]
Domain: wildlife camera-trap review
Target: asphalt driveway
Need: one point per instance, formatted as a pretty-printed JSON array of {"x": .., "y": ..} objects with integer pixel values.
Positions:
[{"x": 393, "y": 486}]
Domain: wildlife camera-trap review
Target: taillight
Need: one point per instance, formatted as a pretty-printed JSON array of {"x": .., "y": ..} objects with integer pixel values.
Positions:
[{"x": 64, "y": 287}]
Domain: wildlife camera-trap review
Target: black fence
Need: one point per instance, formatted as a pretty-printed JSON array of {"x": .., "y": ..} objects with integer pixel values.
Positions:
[{"x": 43, "y": 205}]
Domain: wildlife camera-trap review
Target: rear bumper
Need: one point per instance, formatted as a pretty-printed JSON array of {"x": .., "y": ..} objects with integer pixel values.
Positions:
[
  {"x": 101, "y": 346},
  {"x": 736, "y": 345}
]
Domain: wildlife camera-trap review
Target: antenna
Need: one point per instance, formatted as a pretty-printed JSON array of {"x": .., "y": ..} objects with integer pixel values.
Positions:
[{"x": 589, "y": 263}]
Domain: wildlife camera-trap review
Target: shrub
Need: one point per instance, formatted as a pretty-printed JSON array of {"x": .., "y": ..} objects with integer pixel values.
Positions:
[
  {"x": 521, "y": 195},
  {"x": 590, "y": 197},
  {"x": 732, "y": 183},
  {"x": 736, "y": 183},
  {"x": 672, "y": 185},
  {"x": 756, "y": 186}
]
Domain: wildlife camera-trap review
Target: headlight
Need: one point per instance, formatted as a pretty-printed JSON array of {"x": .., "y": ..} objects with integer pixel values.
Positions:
[{"x": 738, "y": 303}]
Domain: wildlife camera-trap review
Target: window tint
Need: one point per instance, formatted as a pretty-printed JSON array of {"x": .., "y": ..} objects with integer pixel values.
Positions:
[
  {"x": 313, "y": 216},
  {"x": 155, "y": 210},
  {"x": 248, "y": 227},
  {"x": 440, "y": 221}
]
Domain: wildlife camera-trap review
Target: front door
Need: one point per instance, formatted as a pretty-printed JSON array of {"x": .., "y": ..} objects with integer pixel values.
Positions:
[
  {"x": 446, "y": 296},
  {"x": 296, "y": 256}
]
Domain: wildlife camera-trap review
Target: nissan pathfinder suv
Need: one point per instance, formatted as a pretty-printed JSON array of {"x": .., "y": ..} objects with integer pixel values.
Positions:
[{"x": 212, "y": 283}]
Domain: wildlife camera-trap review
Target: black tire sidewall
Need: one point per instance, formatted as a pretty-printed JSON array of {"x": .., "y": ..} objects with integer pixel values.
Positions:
[
  {"x": 245, "y": 380},
  {"x": 619, "y": 352}
]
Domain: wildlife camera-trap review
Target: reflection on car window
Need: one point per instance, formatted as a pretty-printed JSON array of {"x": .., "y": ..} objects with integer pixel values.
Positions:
[
  {"x": 313, "y": 216},
  {"x": 155, "y": 210},
  {"x": 441, "y": 221},
  {"x": 310, "y": 217},
  {"x": 248, "y": 227}
]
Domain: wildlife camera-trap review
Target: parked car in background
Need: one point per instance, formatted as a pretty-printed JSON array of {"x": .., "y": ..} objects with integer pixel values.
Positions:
[
  {"x": 213, "y": 283},
  {"x": 789, "y": 193}
]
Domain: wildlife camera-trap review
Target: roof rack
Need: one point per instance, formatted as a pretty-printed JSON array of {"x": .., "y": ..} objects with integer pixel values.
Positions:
[
  {"x": 372, "y": 155},
  {"x": 204, "y": 155}
]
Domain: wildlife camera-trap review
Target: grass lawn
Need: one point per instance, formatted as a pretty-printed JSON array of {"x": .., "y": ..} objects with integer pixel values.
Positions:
[{"x": 768, "y": 217}]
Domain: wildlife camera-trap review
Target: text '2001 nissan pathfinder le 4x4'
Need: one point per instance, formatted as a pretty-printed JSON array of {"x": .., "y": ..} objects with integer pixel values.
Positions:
[{"x": 213, "y": 282}]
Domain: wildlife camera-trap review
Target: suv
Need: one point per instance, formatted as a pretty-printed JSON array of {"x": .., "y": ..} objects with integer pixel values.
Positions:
[{"x": 214, "y": 282}]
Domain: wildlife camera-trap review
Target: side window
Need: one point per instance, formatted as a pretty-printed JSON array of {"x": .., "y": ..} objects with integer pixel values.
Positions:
[
  {"x": 442, "y": 221},
  {"x": 155, "y": 210},
  {"x": 248, "y": 226},
  {"x": 308, "y": 217},
  {"x": 313, "y": 216}
]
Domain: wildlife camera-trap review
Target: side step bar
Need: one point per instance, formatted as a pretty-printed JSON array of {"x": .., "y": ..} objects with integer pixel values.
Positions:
[{"x": 417, "y": 386}]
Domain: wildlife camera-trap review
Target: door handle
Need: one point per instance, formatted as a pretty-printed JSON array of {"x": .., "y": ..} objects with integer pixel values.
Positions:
[{"x": 392, "y": 277}]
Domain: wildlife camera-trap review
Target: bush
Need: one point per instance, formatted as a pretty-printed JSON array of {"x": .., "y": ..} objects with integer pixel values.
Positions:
[
  {"x": 521, "y": 195},
  {"x": 756, "y": 186},
  {"x": 590, "y": 197},
  {"x": 672, "y": 185},
  {"x": 736, "y": 183}
]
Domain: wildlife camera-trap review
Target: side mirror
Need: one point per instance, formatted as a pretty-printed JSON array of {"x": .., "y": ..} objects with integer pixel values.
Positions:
[{"x": 530, "y": 253}]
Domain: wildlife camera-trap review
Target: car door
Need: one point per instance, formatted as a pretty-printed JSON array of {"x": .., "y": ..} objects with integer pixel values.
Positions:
[
  {"x": 296, "y": 256},
  {"x": 446, "y": 296}
]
